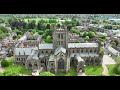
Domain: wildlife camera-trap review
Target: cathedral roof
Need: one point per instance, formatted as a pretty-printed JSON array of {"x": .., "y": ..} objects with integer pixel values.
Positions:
[
  {"x": 23, "y": 51},
  {"x": 45, "y": 46},
  {"x": 82, "y": 45},
  {"x": 60, "y": 49}
]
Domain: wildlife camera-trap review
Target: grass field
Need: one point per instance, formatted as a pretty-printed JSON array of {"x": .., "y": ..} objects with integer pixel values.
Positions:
[
  {"x": 17, "y": 68},
  {"x": 93, "y": 70},
  {"x": 111, "y": 70},
  {"x": 72, "y": 72}
]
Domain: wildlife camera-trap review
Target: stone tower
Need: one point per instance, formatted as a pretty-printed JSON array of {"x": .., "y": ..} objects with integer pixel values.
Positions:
[{"x": 60, "y": 38}]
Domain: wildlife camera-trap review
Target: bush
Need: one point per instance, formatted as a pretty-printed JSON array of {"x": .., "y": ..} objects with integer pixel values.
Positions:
[
  {"x": 47, "y": 74},
  {"x": 10, "y": 73},
  {"x": 118, "y": 70},
  {"x": 4, "y": 63}
]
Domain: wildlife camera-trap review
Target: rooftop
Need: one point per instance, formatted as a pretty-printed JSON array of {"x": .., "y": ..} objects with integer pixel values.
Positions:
[
  {"x": 45, "y": 46},
  {"x": 60, "y": 49},
  {"x": 22, "y": 51},
  {"x": 82, "y": 45}
]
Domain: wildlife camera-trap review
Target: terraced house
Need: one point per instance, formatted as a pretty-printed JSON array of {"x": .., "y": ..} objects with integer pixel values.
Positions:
[{"x": 58, "y": 56}]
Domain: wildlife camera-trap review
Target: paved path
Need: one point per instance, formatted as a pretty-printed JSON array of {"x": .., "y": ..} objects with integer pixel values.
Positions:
[
  {"x": 105, "y": 71},
  {"x": 107, "y": 60},
  {"x": 81, "y": 74}
]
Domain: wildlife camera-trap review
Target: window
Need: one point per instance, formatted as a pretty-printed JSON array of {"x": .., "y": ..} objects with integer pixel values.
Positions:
[
  {"x": 59, "y": 35},
  {"x": 90, "y": 50},
  {"x": 42, "y": 52},
  {"x": 62, "y": 36},
  {"x": 73, "y": 51},
  {"x": 61, "y": 42},
  {"x": 81, "y": 50},
  {"x": 46, "y": 51},
  {"x": 95, "y": 50},
  {"x": 35, "y": 64},
  {"x": 77, "y": 51},
  {"x": 30, "y": 65},
  {"x": 61, "y": 64},
  {"x": 19, "y": 53},
  {"x": 24, "y": 52},
  {"x": 52, "y": 64}
]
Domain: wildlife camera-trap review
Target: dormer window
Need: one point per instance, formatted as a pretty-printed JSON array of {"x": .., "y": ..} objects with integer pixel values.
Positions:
[{"x": 24, "y": 52}]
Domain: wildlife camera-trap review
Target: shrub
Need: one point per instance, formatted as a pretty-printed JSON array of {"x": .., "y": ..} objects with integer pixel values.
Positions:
[
  {"x": 4, "y": 63},
  {"x": 47, "y": 74}
]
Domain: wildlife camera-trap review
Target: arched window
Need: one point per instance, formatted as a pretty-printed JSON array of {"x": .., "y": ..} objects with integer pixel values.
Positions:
[
  {"x": 61, "y": 64},
  {"x": 59, "y": 35},
  {"x": 30, "y": 65},
  {"x": 73, "y": 51},
  {"x": 62, "y": 36},
  {"x": 90, "y": 50},
  {"x": 81, "y": 50}
]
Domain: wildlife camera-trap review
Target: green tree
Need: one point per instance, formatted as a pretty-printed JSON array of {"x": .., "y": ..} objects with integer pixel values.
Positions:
[
  {"x": 87, "y": 37},
  {"x": 48, "y": 26},
  {"x": 85, "y": 34},
  {"x": 33, "y": 31},
  {"x": 47, "y": 74},
  {"x": 49, "y": 39},
  {"x": 91, "y": 34},
  {"x": 40, "y": 32},
  {"x": 113, "y": 43},
  {"x": 116, "y": 69},
  {"x": 4, "y": 63},
  {"x": 3, "y": 29}
]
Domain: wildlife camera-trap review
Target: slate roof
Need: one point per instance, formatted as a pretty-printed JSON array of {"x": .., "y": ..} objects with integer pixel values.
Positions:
[
  {"x": 45, "y": 46},
  {"x": 23, "y": 38},
  {"x": 21, "y": 51},
  {"x": 60, "y": 49},
  {"x": 51, "y": 58},
  {"x": 82, "y": 45},
  {"x": 112, "y": 50}
]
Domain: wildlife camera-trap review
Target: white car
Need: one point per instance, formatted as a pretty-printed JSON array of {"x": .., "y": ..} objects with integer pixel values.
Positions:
[{"x": 35, "y": 73}]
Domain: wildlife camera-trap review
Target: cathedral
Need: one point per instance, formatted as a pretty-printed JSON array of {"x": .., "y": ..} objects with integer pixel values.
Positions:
[{"x": 58, "y": 56}]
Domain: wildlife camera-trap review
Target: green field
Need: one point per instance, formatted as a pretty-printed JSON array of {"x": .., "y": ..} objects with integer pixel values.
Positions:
[
  {"x": 36, "y": 19},
  {"x": 111, "y": 70},
  {"x": 93, "y": 70},
  {"x": 17, "y": 68},
  {"x": 72, "y": 72}
]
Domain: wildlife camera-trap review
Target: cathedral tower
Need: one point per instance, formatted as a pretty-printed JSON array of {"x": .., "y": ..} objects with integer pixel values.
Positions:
[{"x": 60, "y": 38}]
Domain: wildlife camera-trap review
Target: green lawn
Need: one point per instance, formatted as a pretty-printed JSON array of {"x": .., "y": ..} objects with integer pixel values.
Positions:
[
  {"x": 72, "y": 72},
  {"x": 111, "y": 70},
  {"x": 93, "y": 70},
  {"x": 36, "y": 19},
  {"x": 17, "y": 68}
]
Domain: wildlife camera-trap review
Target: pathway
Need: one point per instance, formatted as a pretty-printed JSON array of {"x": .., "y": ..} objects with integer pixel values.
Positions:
[
  {"x": 106, "y": 60},
  {"x": 82, "y": 74}
]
